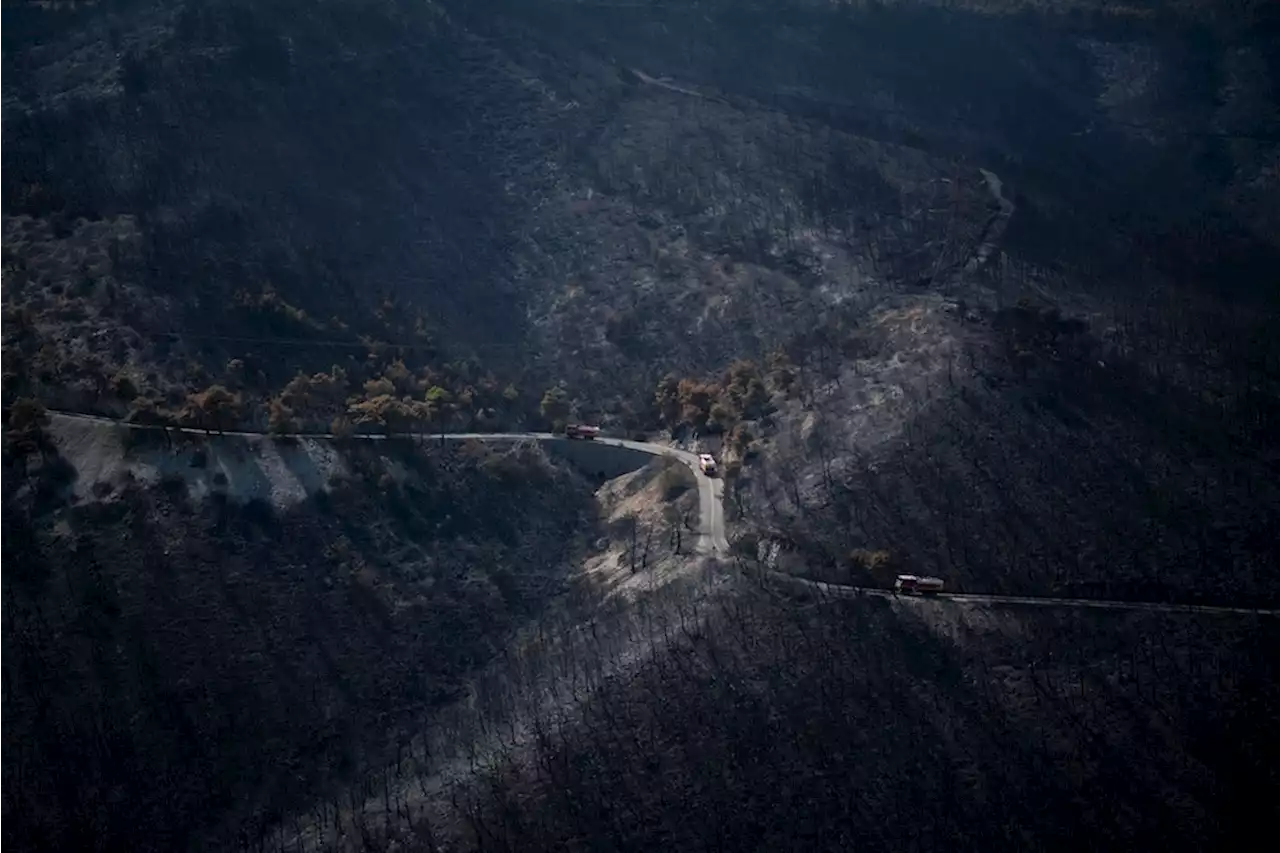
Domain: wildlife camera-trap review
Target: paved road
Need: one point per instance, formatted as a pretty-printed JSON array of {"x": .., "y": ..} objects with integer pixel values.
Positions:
[
  {"x": 840, "y": 591},
  {"x": 711, "y": 535},
  {"x": 712, "y": 538}
]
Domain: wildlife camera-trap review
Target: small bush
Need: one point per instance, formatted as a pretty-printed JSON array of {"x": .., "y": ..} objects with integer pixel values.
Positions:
[
  {"x": 870, "y": 560},
  {"x": 124, "y": 388},
  {"x": 870, "y": 567}
]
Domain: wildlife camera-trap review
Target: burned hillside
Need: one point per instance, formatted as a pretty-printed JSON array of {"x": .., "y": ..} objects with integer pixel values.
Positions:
[
  {"x": 180, "y": 671},
  {"x": 977, "y": 288}
]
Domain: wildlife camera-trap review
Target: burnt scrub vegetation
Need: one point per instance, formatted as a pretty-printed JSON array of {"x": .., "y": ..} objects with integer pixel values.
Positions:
[
  {"x": 191, "y": 183},
  {"x": 179, "y": 674},
  {"x": 867, "y": 725},
  {"x": 840, "y": 173},
  {"x": 1037, "y": 461},
  {"x": 517, "y": 197},
  {"x": 979, "y": 288}
]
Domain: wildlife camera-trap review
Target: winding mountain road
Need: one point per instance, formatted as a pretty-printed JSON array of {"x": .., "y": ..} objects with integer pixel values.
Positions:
[
  {"x": 712, "y": 539},
  {"x": 839, "y": 591},
  {"x": 711, "y": 534}
]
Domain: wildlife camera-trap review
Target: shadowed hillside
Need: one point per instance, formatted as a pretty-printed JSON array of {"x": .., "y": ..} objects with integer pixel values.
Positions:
[
  {"x": 867, "y": 725},
  {"x": 1026, "y": 457},
  {"x": 191, "y": 184},
  {"x": 506, "y": 193},
  {"x": 182, "y": 671},
  {"x": 982, "y": 288}
]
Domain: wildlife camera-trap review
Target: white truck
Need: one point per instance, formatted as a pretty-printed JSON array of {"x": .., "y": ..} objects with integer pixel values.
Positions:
[
  {"x": 582, "y": 431},
  {"x": 707, "y": 463}
]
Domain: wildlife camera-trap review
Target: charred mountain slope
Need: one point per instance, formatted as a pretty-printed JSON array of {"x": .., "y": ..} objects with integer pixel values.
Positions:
[
  {"x": 1023, "y": 455},
  {"x": 180, "y": 672},
  {"x": 869, "y": 725},
  {"x": 591, "y": 192},
  {"x": 430, "y": 193},
  {"x": 191, "y": 183}
]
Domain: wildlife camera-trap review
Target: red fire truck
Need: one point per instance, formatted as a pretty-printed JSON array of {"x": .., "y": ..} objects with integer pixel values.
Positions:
[{"x": 916, "y": 585}]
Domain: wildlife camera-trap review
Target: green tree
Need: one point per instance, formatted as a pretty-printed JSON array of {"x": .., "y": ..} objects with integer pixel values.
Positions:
[
  {"x": 782, "y": 372},
  {"x": 399, "y": 376},
  {"x": 320, "y": 397},
  {"x": 280, "y": 418},
  {"x": 214, "y": 408},
  {"x": 555, "y": 406},
  {"x": 667, "y": 401},
  {"x": 124, "y": 387},
  {"x": 696, "y": 400},
  {"x": 341, "y": 427},
  {"x": 722, "y": 417},
  {"x": 745, "y": 389},
  {"x": 380, "y": 387},
  {"x": 437, "y": 406},
  {"x": 383, "y": 411},
  {"x": 739, "y": 440}
]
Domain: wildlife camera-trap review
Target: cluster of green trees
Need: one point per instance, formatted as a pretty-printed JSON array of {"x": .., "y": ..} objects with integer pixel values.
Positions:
[
  {"x": 396, "y": 401},
  {"x": 399, "y": 400},
  {"x": 743, "y": 393}
]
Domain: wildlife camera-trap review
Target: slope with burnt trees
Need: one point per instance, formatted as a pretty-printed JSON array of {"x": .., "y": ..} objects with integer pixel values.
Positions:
[
  {"x": 760, "y": 724},
  {"x": 180, "y": 672}
]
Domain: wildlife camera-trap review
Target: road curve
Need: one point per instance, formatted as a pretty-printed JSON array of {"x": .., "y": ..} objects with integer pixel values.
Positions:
[
  {"x": 711, "y": 533},
  {"x": 712, "y": 539}
]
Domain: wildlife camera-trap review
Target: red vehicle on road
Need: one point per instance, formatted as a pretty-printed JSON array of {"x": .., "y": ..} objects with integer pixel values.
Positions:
[
  {"x": 916, "y": 585},
  {"x": 581, "y": 431}
]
